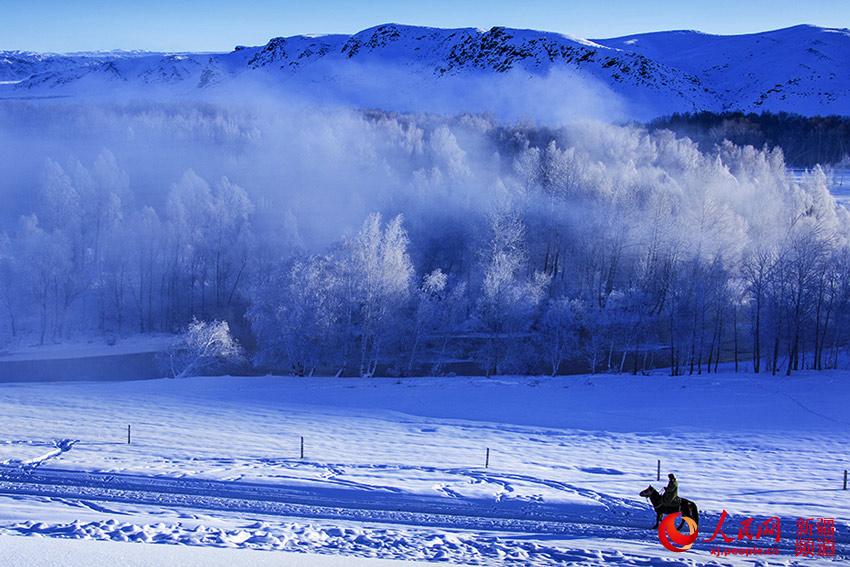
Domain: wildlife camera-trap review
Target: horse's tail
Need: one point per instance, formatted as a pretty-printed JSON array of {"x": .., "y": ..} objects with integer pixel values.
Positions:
[{"x": 695, "y": 512}]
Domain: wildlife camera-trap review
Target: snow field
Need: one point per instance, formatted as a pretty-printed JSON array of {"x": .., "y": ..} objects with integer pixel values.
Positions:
[{"x": 395, "y": 468}]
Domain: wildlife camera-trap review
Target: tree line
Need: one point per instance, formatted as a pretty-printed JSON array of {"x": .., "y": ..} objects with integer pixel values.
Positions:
[
  {"x": 496, "y": 249},
  {"x": 805, "y": 140}
]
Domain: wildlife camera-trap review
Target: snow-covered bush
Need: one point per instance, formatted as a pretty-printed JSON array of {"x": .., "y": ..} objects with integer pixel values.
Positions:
[{"x": 203, "y": 347}]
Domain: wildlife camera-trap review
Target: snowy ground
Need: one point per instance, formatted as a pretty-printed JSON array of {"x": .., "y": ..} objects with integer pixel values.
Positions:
[
  {"x": 395, "y": 468},
  {"x": 53, "y": 552}
]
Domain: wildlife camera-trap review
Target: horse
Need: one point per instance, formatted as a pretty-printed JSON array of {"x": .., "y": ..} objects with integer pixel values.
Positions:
[{"x": 687, "y": 508}]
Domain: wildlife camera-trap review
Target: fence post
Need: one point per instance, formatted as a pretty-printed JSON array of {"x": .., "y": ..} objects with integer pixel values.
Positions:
[
  {"x": 128, "y": 435},
  {"x": 845, "y": 479},
  {"x": 302, "y": 447},
  {"x": 658, "y": 474},
  {"x": 487, "y": 459}
]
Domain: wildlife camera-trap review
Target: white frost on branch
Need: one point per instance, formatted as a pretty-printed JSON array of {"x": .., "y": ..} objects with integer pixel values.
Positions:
[{"x": 204, "y": 346}]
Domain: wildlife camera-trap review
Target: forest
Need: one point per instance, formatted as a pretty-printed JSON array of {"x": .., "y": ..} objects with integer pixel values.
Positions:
[
  {"x": 806, "y": 141},
  {"x": 367, "y": 243}
]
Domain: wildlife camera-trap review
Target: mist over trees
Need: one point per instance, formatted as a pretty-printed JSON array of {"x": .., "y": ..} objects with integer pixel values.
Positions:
[{"x": 363, "y": 243}]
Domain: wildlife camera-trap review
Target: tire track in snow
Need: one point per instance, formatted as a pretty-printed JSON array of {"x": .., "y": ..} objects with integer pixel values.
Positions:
[
  {"x": 330, "y": 504},
  {"x": 317, "y": 502}
]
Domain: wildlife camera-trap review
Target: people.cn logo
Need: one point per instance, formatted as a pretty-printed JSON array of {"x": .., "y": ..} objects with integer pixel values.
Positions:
[{"x": 672, "y": 538}]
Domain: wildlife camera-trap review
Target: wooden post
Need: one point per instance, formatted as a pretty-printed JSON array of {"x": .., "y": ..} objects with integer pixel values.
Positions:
[
  {"x": 487, "y": 461},
  {"x": 845, "y": 479},
  {"x": 128, "y": 435},
  {"x": 658, "y": 474},
  {"x": 302, "y": 447}
]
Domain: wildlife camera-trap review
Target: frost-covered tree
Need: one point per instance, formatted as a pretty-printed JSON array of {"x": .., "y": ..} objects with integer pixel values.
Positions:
[
  {"x": 301, "y": 317},
  {"x": 44, "y": 262},
  {"x": 616, "y": 249},
  {"x": 209, "y": 243},
  {"x": 559, "y": 334},
  {"x": 203, "y": 347},
  {"x": 430, "y": 318},
  {"x": 510, "y": 296},
  {"x": 146, "y": 268},
  {"x": 381, "y": 272},
  {"x": 10, "y": 290}
]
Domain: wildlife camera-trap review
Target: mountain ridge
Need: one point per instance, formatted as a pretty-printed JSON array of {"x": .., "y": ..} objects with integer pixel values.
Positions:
[{"x": 798, "y": 69}]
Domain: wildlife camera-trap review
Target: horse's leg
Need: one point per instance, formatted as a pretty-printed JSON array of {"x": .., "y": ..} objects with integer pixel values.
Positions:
[
  {"x": 687, "y": 510},
  {"x": 657, "y": 520}
]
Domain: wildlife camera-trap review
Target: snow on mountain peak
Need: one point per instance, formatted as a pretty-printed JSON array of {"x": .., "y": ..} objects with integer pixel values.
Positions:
[{"x": 797, "y": 69}]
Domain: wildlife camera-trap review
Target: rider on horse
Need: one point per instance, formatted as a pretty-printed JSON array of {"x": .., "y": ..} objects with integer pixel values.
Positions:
[
  {"x": 670, "y": 503},
  {"x": 671, "y": 491}
]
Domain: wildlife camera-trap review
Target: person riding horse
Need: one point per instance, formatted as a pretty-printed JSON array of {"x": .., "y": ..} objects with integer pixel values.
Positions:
[
  {"x": 670, "y": 503},
  {"x": 671, "y": 492}
]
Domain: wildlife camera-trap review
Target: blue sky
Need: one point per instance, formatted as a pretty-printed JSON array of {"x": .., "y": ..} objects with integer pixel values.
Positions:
[{"x": 218, "y": 25}]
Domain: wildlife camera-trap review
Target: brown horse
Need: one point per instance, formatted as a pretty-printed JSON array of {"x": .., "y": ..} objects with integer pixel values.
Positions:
[{"x": 686, "y": 507}]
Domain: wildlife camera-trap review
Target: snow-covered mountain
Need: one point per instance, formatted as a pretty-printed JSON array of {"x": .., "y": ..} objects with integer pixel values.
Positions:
[{"x": 801, "y": 69}]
